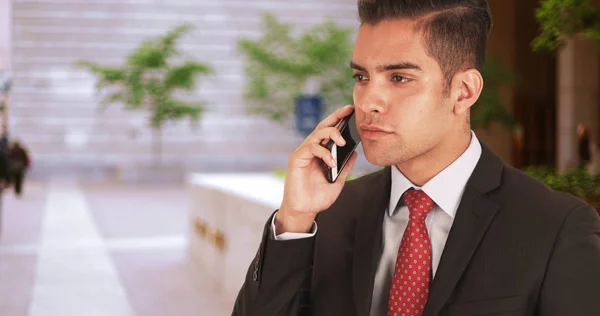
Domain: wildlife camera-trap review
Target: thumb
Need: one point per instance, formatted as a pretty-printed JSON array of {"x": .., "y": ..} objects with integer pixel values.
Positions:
[{"x": 349, "y": 165}]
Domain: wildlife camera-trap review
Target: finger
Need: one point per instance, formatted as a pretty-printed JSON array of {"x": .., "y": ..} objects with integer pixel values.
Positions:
[
  {"x": 335, "y": 117},
  {"x": 349, "y": 165},
  {"x": 307, "y": 152},
  {"x": 315, "y": 150},
  {"x": 322, "y": 136}
]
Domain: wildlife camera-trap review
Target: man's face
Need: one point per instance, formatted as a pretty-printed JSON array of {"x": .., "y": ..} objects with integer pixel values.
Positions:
[{"x": 399, "y": 89}]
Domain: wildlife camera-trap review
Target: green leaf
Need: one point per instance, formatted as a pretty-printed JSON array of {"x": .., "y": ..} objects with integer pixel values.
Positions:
[
  {"x": 148, "y": 79},
  {"x": 173, "y": 109},
  {"x": 183, "y": 76},
  {"x": 279, "y": 65},
  {"x": 156, "y": 52},
  {"x": 562, "y": 19},
  {"x": 489, "y": 108},
  {"x": 106, "y": 75},
  {"x": 116, "y": 97}
]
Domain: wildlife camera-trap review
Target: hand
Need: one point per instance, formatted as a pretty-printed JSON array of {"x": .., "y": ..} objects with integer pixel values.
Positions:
[{"x": 307, "y": 191}]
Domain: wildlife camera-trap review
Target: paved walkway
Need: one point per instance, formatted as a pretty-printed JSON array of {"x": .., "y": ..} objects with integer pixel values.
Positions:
[{"x": 69, "y": 249}]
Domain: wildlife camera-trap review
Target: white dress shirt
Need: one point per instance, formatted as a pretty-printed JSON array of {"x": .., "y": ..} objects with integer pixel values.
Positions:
[{"x": 445, "y": 189}]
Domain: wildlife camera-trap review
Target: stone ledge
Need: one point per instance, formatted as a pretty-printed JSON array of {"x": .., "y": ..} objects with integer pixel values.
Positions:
[{"x": 227, "y": 216}]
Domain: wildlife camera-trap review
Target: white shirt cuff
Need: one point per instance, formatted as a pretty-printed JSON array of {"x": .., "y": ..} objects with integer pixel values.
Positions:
[{"x": 290, "y": 236}]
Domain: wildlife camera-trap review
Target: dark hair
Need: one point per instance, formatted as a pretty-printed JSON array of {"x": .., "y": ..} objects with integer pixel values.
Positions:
[{"x": 455, "y": 31}]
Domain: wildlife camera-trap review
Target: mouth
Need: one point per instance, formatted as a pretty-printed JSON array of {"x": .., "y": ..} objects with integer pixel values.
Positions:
[{"x": 373, "y": 132}]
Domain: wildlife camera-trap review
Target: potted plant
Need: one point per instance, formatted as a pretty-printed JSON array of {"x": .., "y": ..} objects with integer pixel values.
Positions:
[
  {"x": 280, "y": 67},
  {"x": 151, "y": 79}
]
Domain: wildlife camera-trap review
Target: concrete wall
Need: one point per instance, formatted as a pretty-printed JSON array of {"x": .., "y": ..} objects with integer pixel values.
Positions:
[
  {"x": 54, "y": 109},
  {"x": 578, "y": 96},
  {"x": 5, "y": 33}
]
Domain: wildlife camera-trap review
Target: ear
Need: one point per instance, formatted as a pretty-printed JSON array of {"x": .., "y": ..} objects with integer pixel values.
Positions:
[{"x": 466, "y": 88}]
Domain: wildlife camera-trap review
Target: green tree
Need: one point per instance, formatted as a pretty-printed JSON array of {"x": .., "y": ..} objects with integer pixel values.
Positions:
[
  {"x": 280, "y": 66},
  {"x": 489, "y": 107},
  {"x": 153, "y": 74},
  {"x": 561, "y": 19}
]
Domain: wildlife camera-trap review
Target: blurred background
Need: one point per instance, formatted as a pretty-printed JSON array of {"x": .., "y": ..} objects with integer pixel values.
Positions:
[{"x": 144, "y": 142}]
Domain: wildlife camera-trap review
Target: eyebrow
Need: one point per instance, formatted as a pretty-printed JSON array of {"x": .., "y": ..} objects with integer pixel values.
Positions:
[{"x": 396, "y": 66}]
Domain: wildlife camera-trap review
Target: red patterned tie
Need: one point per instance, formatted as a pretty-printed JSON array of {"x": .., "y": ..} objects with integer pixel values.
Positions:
[{"x": 412, "y": 275}]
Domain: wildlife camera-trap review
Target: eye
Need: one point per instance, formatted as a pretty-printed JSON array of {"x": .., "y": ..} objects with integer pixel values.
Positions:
[
  {"x": 400, "y": 79},
  {"x": 359, "y": 77}
]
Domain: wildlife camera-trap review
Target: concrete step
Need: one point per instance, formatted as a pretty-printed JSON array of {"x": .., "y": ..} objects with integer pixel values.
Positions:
[
  {"x": 84, "y": 51},
  {"x": 30, "y": 108},
  {"x": 108, "y": 169},
  {"x": 342, "y": 6},
  {"x": 170, "y": 146},
  {"x": 143, "y": 135},
  {"x": 29, "y": 63},
  {"x": 37, "y": 27},
  {"x": 82, "y": 78},
  {"x": 88, "y": 109},
  {"x": 216, "y": 100},
  {"x": 215, "y": 37},
  {"x": 303, "y": 13},
  {"x": 226, "y": 132}
]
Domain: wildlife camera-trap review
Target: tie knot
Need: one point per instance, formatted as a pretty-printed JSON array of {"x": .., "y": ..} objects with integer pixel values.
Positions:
[{"x": 418, "y": 202}]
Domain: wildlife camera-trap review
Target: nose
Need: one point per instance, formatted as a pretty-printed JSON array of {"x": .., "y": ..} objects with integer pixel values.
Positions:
[{"x": 373, "y": 101}]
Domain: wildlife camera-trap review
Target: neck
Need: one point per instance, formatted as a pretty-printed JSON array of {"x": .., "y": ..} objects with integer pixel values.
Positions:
[{"x": 424, "y": 167}]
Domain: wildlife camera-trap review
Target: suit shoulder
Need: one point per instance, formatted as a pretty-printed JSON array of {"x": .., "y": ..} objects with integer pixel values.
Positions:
[
  {"x": 357, "y": 188},
  {"x": 523, "y": 192}
]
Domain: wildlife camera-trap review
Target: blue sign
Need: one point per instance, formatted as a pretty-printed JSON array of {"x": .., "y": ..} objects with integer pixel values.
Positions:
[{"x": 309, "y": 109}]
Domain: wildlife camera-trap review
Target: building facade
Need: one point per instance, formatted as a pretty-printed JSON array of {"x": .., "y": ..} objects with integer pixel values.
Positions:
[{"x": 556, "y": 90}]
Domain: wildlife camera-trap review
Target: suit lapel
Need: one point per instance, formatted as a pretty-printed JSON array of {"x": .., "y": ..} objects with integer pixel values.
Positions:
[
  {"x": 473, "y": 217},
  {"x": 367, "y": 244}
]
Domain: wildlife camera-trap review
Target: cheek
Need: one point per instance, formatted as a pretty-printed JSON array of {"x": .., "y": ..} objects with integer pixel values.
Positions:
[
  {"x": 413, "y": 112},
  {"x": 411, "y": 103}
]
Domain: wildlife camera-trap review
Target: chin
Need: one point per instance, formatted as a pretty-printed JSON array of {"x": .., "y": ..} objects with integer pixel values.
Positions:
[
  {"x": 379, "y": 158},
  {"x": 386, "y": 155}
]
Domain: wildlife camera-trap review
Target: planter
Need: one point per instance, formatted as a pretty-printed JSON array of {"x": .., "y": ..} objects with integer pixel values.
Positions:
[{"x": 227, "y": 217}]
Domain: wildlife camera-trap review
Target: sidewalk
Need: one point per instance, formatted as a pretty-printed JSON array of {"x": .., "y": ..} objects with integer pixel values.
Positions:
[{"x": 100, "y": 249}]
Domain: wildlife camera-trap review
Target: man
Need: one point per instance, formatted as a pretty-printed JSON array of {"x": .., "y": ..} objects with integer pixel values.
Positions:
[
  {"x": 19, "y": 163},
  {"x": 448, "y": 228},
  {"x": 5, "y": 175},
  {"x": 583, "y": 146}
]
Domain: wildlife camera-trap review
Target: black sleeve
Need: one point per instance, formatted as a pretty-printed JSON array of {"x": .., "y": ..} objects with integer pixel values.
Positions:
[
  {"x": 4, "y": 166},
  {"x": 278, "y": 280},
  {"x": 572, "y": 282}
]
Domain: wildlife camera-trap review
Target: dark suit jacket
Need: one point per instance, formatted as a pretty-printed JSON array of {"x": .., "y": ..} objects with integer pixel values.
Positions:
[{"x": 515, "y": 248}]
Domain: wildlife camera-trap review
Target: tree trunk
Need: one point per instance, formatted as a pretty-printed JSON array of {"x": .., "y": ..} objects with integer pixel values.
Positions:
[{"x": 157, "y": 145}]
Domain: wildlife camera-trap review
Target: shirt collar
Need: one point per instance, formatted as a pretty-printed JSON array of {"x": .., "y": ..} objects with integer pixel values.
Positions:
[{"x": 447, "y": 187}]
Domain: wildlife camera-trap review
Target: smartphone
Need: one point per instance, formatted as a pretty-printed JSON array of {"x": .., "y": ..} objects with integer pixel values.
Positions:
[{"x": 347, "y": 127}]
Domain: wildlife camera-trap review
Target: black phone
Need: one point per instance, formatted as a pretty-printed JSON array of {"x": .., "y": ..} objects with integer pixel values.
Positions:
[{"x": 347, "y": 127}]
